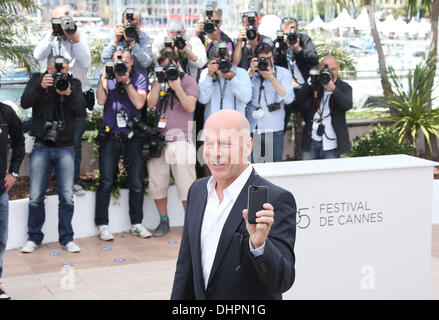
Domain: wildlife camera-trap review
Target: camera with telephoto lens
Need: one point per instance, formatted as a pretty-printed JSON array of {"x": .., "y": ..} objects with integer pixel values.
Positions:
[
  {"x": 169, "y": 42},
  {"x": 263, "y": 64},
  {"x": 68, "y": 24},
  {"x": 224, "y": 64},
  {"x": 61, "y": 80},
  {"x": 325, "y": 75},
  {"x": 179, "y": 41},
  {"x": 120, "y": 67},
  {"x": 135, "y": 125},
  {"x": 53, "y": 130},
  {"x": 109, "y": 70},
  {"x": 251, "y": 30},
  {"x": 292, "y": 36},
  {"x": 209, "y": 24},
  {"x": 130, "y": 28}
]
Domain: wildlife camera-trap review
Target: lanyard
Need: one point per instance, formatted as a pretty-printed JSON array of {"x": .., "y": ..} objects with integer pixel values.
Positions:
[
  {"x": 322, "y": 107},
  {"x": 223, "y": 91}
]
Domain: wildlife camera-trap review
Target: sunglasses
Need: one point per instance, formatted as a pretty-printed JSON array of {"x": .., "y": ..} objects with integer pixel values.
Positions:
[{"x": 288, "y": 19}]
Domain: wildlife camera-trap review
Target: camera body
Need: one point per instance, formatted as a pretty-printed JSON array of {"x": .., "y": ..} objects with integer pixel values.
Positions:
[
  {"x": 224, "y": 63},
  {"x": 274, "y": 106},
  {"x": 54, "y": 128},
  {"x": 130, "y": 27},
  {"x": 323, "y": 76},
  {"x": 292, "y": 36},
  {"x": 169, "y": 42},
  {"x": 251, "y": 30},
  {"x": 109, "y": 70},
  {"x": 61, "y": 26},
  {"x": 179, "y": 41},
  {"x": 209, "y": 24},
  {"x": 61, "y": 80},
  {"x": 170, "y": 72},
  {"x": 263, "y": 64}
]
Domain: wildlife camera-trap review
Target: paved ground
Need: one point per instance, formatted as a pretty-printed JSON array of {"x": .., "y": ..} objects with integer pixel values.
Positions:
[{"x": 126, "y": 268}]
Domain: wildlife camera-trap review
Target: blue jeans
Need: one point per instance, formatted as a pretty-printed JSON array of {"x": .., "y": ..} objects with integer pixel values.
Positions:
[
  {"x": 77, "y": 143},
  {"x": 109, "y": 156},
  {"x": 267, "y": 147},
  {"x": 42, "y": 160},
  {"x": 317, "y": 152},
  {"x": 4, "y": 206}
]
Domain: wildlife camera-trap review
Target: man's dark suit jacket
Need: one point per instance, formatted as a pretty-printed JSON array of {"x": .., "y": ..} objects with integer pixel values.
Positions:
[
  {"x": 235, "y": 273},
  {"x": 339, "y": 102}
]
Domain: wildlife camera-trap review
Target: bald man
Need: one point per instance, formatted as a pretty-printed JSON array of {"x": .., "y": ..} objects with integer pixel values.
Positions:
[
  {"x": 73, "y": 47},
  {"x": 325, "y": 135},
  {"x": 222, "y": 255}
]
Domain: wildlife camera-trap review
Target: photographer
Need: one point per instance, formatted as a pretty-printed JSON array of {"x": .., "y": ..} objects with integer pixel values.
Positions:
[
  {"x": 223, "y": 85},
  {"x": 325, "y": 134},
  {"x": 123, "y": 93},
  {"x": 56, "y": 100},
  {"x": 192, "y": 54},
  {"x": 248, "y": 39},
  {"x": 10, "y": 127},
  {"x": 129, "y": 35},
  {"x": 65, "y": 40},
  {"x": 209, "y": 30},
  {"x": 174, "y": 111},
  {"x": 272, "y": 90},
  {"x": 300, "y": 56}
]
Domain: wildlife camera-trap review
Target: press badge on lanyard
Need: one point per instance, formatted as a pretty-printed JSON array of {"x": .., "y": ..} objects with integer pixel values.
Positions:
[
  {"x": 121, "y": 119},
  {"x": 162, "y": 122}
]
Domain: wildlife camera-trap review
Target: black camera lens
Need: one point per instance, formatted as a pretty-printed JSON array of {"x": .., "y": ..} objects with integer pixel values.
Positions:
[
  {"x": 179, "y": 42},
  {"x": 251, "y": 33},
  {"x": 160, "y": 74},
  {"x": 325, "y": 75},
  {"x": 120, "y": 67},
  {"x": 130, "y": 30},
  {"x": 209, "y": 26},
  {"x": 263, "y": 64},
  {"x": 224, "y": 65},
  {"x": 61, "y": 83},
  {"x": 172, "y": 72},
  {"x": 52, "y": 133}
]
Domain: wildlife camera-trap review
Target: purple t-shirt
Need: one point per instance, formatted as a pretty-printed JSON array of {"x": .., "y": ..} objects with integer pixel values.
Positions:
[
  {"x": 179, "y": 121},
  {"x": 113, "y": 106}
]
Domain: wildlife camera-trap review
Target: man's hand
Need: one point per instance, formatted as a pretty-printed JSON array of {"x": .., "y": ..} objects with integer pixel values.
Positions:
[
  {"x": 119, "y": 33},
  {"x": 74, "y": 37},
  {"x": 175, "y": 84},
  {"x": 228, "y": 75},
  {"x": 295, "y": 47},
  {"x": 124, "y": 78},
  {"x": 199, "y": 28},
  {"x": 47, "y": 81},
  {"x": 212, "y": 68},
  {"x": 330, "y": 86},
  {"x": 267, "y": 75},
  {"x": 253, "y": 66},
  {"x": 9, "y": 181},
  {"x": 264, "y": 220},
  {"x": 242, "y": 35}
]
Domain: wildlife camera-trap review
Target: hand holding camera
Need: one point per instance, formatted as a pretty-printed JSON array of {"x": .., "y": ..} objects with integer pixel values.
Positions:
[
  {"x": 212, "y": 68},
  {"x": 65, "y": 27}
]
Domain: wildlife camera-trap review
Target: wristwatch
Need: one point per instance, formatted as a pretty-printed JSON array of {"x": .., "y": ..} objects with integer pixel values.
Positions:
[
  {"x": 15, "y": 175},
  {"x": 126, "y": 84}
]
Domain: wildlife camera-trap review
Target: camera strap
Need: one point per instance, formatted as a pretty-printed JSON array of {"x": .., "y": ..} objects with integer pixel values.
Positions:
[
  {"x": 222, "y": 91},
  {"x": 262, "y": 88}
]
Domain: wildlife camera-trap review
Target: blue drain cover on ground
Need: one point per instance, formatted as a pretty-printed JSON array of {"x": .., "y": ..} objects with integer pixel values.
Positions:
[
  {"x": 67, "y": 266},
  {"x": 54, "y": 254},
  {"x": 119, "y": 260},
  {"x": 172, "y": 242},
  {"x": 105, "y": 249}
]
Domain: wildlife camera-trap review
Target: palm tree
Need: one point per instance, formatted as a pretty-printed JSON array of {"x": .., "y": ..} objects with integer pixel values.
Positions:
[
  {"x": 12, "y": 49},
  {"x": 385, "y": 83}
]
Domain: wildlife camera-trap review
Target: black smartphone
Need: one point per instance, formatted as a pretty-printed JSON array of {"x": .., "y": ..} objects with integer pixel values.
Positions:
[{"x": 257, "y": 196}]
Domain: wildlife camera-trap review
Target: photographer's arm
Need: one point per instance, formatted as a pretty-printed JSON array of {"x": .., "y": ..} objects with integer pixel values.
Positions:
[
  {"x": 205, "y": 87},
  {"x": 154, "y": 95},
  {"x": 81, "y": 52},
  {"x": 187, "y": 102},
  {"x": 342, "y": 96},
  {"x": 75, "y": 100},
  {"x": 136, "y": 96},
  {"x": 33, "y": 92},
  {"x": 102, "y": 90},
  {"x": 44, "y": 47},
  {"x": 308, "y": 52},
  {"x": 142, "y": 51},
  {"x": 107, "y": 52}
]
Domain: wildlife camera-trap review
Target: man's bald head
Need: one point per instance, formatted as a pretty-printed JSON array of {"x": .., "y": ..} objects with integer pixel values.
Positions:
[
  {"x": 60, "y": 11},
  {"x": 332, "y": 63},
  {"x": 227, "y": 144},
  {"x": 228, "y": 119}
]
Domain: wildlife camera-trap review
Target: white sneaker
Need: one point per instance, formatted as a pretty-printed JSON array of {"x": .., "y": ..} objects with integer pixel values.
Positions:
[
  {"x": 29, "y": 247},
  {"x": 77, "y": 189},
  {"x": 72, "y": 247},
  {"x": 104, "y": 233},
  {"x": 140, "y": 230}
]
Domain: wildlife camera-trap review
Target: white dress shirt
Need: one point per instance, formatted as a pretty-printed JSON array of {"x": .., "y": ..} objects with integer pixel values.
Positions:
[
  {"x": 215, "y": 216},
  {"x": 329, "y": 137}
]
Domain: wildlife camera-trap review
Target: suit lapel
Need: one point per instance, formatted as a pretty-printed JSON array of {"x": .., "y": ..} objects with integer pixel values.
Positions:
[{"x": 232, "y": 223}]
